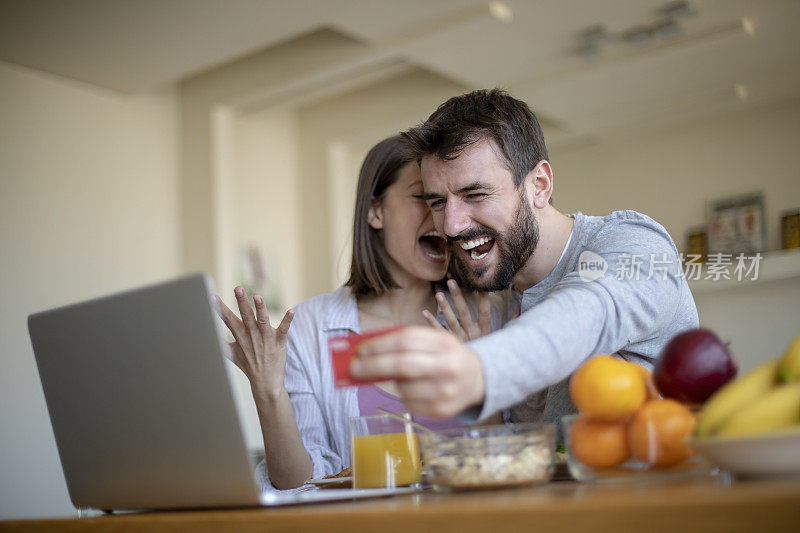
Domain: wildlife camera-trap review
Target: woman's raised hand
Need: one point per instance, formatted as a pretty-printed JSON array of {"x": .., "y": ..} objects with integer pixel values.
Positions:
[
  {"x": 460, "y": 321},
  {"x": 259, "y": 349}
]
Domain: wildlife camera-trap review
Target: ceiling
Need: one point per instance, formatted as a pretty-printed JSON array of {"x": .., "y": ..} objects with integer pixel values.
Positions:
[{"x": 723, "y": 56}]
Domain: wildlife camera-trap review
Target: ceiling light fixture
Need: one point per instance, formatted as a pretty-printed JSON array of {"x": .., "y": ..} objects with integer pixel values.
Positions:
[
  {"x": 501, "y": 11},
  {"x": 681, "y": 9},
  {"x": 592, "y": 39},
  {"x": 637, "y": 34},
  {"x": 742, "y": 93},
  {"x": 594, "y": 34},
  {"x": 623, "y": 53},
  {"x": 666, "y": 28},
  {"x": 748, "y": 26}
]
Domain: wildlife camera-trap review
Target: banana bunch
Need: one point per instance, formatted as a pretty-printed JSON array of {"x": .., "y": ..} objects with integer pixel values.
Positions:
[{"x": 765, "y": 400}]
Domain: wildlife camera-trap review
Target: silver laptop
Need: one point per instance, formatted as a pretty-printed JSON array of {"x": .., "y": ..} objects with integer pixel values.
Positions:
[{"x": 141, "y": 405}]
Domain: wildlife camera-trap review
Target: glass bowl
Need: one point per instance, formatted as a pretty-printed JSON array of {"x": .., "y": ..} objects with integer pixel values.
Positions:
[
  {"x": 488, "y": 456},
  {"x": 632, "y": 469}
]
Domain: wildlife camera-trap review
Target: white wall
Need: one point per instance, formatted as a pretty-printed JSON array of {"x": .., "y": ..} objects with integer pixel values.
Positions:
[
  {"x": 262, "y": 210},
  {"x": 266, "y": 78},
  {"x": 671, "y": 175},
  {"x": 266, "y": 193},
  {"x": 88, "y": 205}
]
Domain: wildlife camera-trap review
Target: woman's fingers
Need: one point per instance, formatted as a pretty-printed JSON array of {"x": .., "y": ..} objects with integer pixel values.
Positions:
[
  {"x": 465, "y": 316},
  {"x": 283, "y": 327},
  {"x": 458, "y": 300},
  {"x": 484, "y": 313},
  {"x": 431, "y": 319},
  {"x": 248, "y": 317},
  {"x": 228, "y": 317},
  {"x": 262, "y": 318},
  {"x": 259, "y": 350},
  {"x": 231, "y": 321},
  {"x": 245, "y": 311},
  {"x": 262, "y": 315},
  {"x": 449, "y": 316}
]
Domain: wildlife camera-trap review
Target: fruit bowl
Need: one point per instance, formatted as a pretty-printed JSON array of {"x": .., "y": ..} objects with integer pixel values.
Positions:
[
  {"x": 776, "y": 454},
  {"x": 488, "y": 456},
  {"x": 631, "y": 469}
]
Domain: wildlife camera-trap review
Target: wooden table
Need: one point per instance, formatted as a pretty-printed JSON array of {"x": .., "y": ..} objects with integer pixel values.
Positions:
[{"x": 682, "y": 506}]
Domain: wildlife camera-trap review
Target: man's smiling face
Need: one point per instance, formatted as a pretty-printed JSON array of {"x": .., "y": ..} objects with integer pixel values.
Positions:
[{"x": 488, "y": 221}]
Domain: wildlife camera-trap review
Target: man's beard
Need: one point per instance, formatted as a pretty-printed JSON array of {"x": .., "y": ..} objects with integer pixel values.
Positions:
[{"x": 515, "y": 246}]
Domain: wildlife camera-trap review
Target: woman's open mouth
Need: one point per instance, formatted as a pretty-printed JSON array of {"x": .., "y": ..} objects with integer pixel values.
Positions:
[
  {"x": 477, "y": 248},
  {"x": 434, "y": 246}
]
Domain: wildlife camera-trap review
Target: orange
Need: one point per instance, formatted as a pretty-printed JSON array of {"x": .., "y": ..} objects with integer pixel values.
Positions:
[
  {"x": 650, "y": 386},
  {"x": 658, "y": 433},
  {"x": 608, "y": 388},
  {"x": 598, "y": 443}
]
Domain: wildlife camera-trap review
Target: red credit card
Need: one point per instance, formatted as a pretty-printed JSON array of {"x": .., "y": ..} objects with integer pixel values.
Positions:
[{"x": 343, "y": 350}]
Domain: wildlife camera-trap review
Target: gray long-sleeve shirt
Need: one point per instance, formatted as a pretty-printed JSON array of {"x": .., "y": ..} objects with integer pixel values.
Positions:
[{"x": 618, "y": 288}]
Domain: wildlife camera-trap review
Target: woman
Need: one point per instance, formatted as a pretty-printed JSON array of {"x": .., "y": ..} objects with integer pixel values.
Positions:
[{"x": 397, "y": 258}]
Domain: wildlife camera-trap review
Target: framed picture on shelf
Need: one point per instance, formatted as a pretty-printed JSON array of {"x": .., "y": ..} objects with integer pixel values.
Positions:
[
  {"x": 736, "y": 225},
  {"x": 697, "y": 243},
  {"x": 790, "y": 229}
]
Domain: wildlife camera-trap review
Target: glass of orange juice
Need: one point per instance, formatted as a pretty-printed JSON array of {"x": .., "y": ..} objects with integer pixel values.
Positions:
[{"x": 384, "y": 452}]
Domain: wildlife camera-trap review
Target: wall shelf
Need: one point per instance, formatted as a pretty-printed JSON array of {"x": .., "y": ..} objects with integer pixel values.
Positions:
[{"x": 775, "y": 266}]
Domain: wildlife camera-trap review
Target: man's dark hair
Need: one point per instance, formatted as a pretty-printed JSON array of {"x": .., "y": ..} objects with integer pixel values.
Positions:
[{"x": 466, "y": 119}]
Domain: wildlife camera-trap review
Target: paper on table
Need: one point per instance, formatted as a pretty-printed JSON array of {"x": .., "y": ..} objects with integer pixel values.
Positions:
[{"x": 316, "y": 495}]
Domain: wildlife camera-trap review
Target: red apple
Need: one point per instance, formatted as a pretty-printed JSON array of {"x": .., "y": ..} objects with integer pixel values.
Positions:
[{"x": 693, "y": 365}]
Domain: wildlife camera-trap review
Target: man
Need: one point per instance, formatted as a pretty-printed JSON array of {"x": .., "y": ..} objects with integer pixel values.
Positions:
[{"x": 588, "y": 284}]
